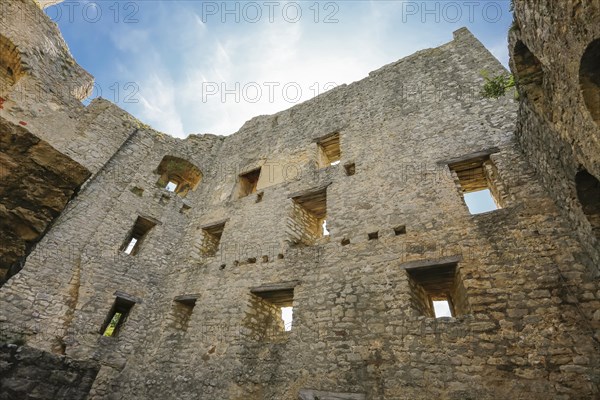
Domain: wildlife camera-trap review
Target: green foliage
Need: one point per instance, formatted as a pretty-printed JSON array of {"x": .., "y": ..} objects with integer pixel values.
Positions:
[
  {"x": 110, "y": 329},
  {"x": 496, "y": 86}
]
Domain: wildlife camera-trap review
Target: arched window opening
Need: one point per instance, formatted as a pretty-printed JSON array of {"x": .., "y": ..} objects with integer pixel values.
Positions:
[
  {"x": 178, "y": 175},
  {"x": 588, "y": 192},
  {"x": 529, "y": 74},
  {"x": 589, "y": 79},
  {"x": 10, "y": 64}
]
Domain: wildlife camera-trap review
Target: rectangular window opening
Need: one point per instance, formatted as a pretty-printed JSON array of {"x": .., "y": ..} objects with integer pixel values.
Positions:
[
  {"x": 437, "y": 290},
  {"x": 139, "y": 231},
  {"x": 309, "y": 218},
  {"x": 329, "y": 150},
  {"x": 116, "y": 317},
  {"x": 476, "y": 186},
  {"x": 248, "y": 183},
  {"x": 183, "y": 307},
  {"x": 274, "y": 309},
  {"x": 212, "y": 238}
]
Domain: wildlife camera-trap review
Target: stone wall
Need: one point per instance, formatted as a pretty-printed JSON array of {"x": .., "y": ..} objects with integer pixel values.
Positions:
[
  {"x": 36, "y": 182},
  {"x": 528, "y": 321},
  {"x": 47, "y": 96},
  {"x": 27, "y": 373},
  {"x": 41, "y": 88},
  {"x": 556, "y": 126}
]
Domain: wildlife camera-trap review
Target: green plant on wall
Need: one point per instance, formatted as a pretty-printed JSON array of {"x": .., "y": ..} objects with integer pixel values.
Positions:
[
  {"x": 110, "y": 329},
  {"x": 497, "y": 85}
]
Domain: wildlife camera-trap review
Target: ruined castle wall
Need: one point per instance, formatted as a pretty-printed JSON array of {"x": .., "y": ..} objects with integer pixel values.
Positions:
[
  {"x": 82, "y": 257},
  {"x": 29, "y": 373},
  {"x": 48, "y": 87},
  {"x": 526, "y": 316},
  {"x": 556, "y": 126},
  {"x": 36, "y": 182},
  {"x": 527, "y": 325},
  {"x": 41, "y": 88}
]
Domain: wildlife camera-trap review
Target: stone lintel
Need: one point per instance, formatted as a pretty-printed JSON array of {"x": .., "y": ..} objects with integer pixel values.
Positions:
[
  {"x": 128, "y": 297},
  {"x": 275, "y": 286},
  {"x": 431, "y": 263},
  {"x": 186, "y": 298},
  {"x": 308, "y": 394},
  {"x": 215, "y": 223},
  {"x": 309, "y": 191},
  {"x": 471, "y": 156}
]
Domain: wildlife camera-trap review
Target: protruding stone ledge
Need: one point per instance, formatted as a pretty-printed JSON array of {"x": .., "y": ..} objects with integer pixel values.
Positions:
[{"x": 308, "y": 394}]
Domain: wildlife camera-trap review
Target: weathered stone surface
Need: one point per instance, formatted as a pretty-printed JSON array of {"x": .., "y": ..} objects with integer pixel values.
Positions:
[
  {"x": 37, "y": 182},
  {"x": 556, "y": 126},
  {"x": 46, "y": 86},
  {"x": 526, "y": 322},
  {"x": 27, "y": 373},
  {"x": 307, "y": 394}
]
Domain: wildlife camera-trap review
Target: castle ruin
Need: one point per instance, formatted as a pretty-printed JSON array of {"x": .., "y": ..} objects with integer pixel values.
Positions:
[{"x": 134, "y": 265}]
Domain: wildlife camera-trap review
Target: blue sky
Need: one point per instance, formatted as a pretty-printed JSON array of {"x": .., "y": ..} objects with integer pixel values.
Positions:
[{"x": 196, "y": 66}]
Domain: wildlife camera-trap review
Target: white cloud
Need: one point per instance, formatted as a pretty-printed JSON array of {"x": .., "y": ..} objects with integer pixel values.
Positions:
[
  {"x": 175, "y": 57},
  {"x": 158, "y": 106},
  {"x": 133, "y": 41},
  {"x": 500, "y": 51}
]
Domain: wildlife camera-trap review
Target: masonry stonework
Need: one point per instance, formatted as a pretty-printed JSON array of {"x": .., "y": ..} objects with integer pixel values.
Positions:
[
  {"x": 555, "y": 54},
  {"x": 27, "y": 373},
  {"x": 203, "y": 319}
]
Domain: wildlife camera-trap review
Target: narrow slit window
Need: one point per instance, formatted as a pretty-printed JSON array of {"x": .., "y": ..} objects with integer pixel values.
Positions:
[
  {"x": 329, "y": 150},
  {"x": 140, "y": 230},
  {"x": 475, "y": 184},
  {"x": 248, "y": 183},
  {"x": 116, "y": 317},
  {"x": 212, "y": 238}
]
